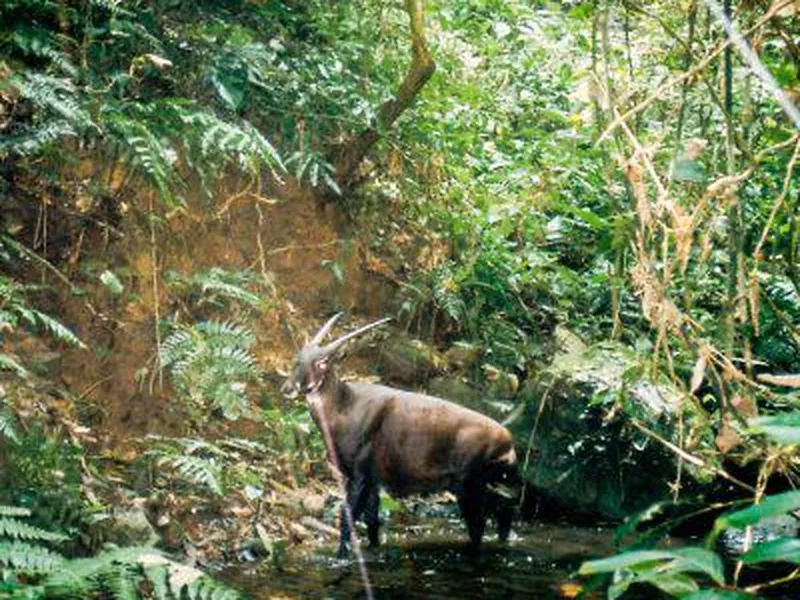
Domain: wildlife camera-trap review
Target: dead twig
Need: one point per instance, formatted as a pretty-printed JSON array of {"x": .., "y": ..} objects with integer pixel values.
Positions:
[{"x": 691, "y": 458}]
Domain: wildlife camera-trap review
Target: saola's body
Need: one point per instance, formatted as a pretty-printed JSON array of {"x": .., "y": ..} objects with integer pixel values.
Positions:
[
  {"x": 412, "y": 443},
  {"x": 406, "y": 442}
]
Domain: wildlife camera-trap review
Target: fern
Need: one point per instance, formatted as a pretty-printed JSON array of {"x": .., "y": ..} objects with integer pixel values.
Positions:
[
  {"x": 217, "y": 286},
  {"x": 206, "y": 588},
  {"x": 152, "y": 153},
  {"x": 14, "y": 511},
  {"x": 15, "y": 309},
  {"x": 8, "y": 363},
  {"x": 129, "y": 574},
  {"x": 203, "y": 463},
  {"x": 31, "y": 140},
  {"x": 22, "y": 556},
  {"x": 57, "y": 329},
  {"x": 53, "y": 96},
  {"x": 211, "y": 363},
  {"x": 40, "y": 43},
  {"x": 15, "y": 529},
  {"x": 202, "y": 471}
]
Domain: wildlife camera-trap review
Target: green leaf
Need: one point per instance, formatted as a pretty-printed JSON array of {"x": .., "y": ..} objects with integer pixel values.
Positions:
[
  {"x": 112, "y": 282},
  {"x": 699, "y": 560},
  {"x": 690, "y": 560},
  {"x": 14, "y": 511},
  {"x": 718, "y": 595},
  {"x": 782, "y": 550},
  {"x": 626, "y": 560},
  {"x": 12, "y": 528},
  {"x": 784, "y": 428},
  {"x": 674, "y": 584},
  {"x": 772, "y": 506},
  {"x": 686, "y": 169},
  {"x": 230, "y": 88}
]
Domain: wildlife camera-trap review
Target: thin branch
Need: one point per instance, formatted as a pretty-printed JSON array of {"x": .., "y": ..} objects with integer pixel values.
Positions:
[
  {"x": 660, "y": 92},
  {"x": 787, "y": 180},
  {"x": 691, "y": 458}
]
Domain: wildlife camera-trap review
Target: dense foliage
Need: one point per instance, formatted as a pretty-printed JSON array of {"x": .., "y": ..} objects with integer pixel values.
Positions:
[{"x": 604, "y": 166}]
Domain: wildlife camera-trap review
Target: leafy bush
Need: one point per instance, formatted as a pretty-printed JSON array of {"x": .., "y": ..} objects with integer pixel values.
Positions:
[
  {"x": 31, "y": 569},
  {"x": 684, "y": 573}
]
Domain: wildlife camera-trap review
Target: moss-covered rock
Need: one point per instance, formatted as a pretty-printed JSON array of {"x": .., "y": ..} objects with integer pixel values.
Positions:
[{"x": 586, "y": 454}]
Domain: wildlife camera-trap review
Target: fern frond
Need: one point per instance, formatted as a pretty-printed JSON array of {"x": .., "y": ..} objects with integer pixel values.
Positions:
[
  {"x": 57, "y": 329},
  {"x": 14, "y": 511},
  {"x": 53, "y": 95},
  {"x": 159, "y": 578},
  {"x": 12, "y": 528},
  {"x": 211, "y": 362},
  {"x": 123, "y": 582},
  {"x": 206, "y": 588},
  {"x": 28, "y": 141},
  {"x": 226, "y": 333},
  {"x": 9, "y": 364},
  {"x": 42, "y": 43},
  {"x": 205, "y": 472},
  {"x": 24, "y": 557}
]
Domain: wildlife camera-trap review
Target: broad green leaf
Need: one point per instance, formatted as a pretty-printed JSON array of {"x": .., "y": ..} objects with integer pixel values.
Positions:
[
  {"x": 699, "y": 560},
  {"x": 772, "y": 506},
  {"x": 674, "y": 584},
  {"x": 784, "y": 429},
  {"x": 718, "y": 595},
  {"x": 626, "y": 560},
  {"x": 668, "y": 564},
  {"x": 230, "y": 88},
  {"x": 782, "y": 549}
]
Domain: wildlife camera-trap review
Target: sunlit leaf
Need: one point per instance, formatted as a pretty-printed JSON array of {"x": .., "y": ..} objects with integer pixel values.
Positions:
[
  {"x": 784, "y": 429},
  {"x": 771, "y": 506},
  {"x": 782, "y": 549}
]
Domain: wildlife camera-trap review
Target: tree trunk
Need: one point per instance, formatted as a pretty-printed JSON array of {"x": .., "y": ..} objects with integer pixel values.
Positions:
[{"x": 352, "y": 152}]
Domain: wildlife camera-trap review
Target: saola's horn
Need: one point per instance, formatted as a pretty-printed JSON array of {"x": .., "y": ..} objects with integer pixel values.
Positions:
[
  {"x": 334, "y": 346},
  {"x": 324, "y": 331}
]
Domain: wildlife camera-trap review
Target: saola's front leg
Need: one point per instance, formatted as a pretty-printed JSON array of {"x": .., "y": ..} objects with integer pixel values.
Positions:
[
  {"x": 371, "y": 514},
  {"x": 362, "y": 493}
]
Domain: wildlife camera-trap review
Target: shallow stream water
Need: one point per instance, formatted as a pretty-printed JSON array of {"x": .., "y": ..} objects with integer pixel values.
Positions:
[{"x": 428, "y": 561}]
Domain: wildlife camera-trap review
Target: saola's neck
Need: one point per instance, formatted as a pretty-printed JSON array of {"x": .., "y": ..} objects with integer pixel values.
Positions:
[{"x": 335, "y": 394}]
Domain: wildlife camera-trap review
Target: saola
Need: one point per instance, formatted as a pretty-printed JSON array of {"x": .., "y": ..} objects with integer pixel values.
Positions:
[{"x": 406, "y": 442}]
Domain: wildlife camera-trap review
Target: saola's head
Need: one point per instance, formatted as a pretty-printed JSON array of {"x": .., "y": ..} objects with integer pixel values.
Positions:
[{"x": 312, "y": 363}]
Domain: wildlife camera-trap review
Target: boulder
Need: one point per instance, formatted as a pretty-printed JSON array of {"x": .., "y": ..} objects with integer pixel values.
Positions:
[
  {"x": 130, "y": 528},
  {"x": 733, "y": 542},
  {"x": 408, "y": 362},
  {"x": 585, "y": 454},
  {"x": 461, "y": 356}
]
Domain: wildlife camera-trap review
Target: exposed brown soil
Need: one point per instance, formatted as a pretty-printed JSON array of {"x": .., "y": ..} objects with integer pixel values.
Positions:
[{"x": 301, "y": 239}]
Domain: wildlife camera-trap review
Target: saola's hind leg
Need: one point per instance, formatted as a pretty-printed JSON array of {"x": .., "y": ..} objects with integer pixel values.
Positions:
[
  {"x": 472, "y": 502},
  {"x": 504, "y": 490},
  {"x": 504, "y": 513}
]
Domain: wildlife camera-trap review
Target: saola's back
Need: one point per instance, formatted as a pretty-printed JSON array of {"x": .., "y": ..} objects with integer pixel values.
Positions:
[{"x": 424, "y": 444}]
